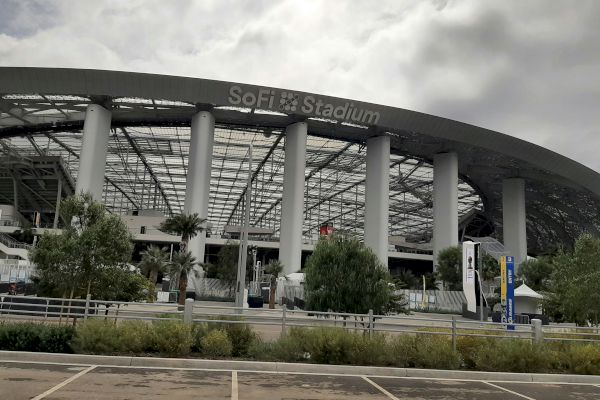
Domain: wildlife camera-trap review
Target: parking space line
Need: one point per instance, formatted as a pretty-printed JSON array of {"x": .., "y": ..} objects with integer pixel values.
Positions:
[
  {"x": 63, "y": 383},
  {"x": 509, "y": 391},
  {"x": 382, "y": 390},
  {"x": 234, "y": 385}
]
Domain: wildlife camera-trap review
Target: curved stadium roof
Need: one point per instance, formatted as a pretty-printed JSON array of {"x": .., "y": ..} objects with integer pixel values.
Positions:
[{"x": 42, "y": 112}]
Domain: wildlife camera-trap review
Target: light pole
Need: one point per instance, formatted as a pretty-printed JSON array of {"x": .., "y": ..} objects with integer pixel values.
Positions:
[{"x": 243, "y": 253}]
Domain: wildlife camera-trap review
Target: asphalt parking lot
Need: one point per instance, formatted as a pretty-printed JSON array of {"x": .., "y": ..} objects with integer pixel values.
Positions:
[{"x": 20, "y": 380}]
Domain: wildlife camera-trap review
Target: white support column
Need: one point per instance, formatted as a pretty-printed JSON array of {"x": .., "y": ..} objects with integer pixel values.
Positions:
[
  {"x": 514, "y": 220},
  {"x": 292, "y": 203},
  {"x": 445, "y": 203},
  {"x": 92, "y": 160},
  {"x": 377, "y": 196},
  {"x": 198, "y": 175}
]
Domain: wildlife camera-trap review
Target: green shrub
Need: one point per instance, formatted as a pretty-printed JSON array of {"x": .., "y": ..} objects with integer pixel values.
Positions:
[
  {"x": 514, "y": 355},
  {"x": 97, "y": 336},
  {"x": 36, "y": 337},
  {"x": 216, "y": 344},
  {"x": 469, "y": 347},
  {"x": 199, "y": 331},
  {"x": 241, "y": 337},
  {"x": 171, "y": 337},
  {"x": 402, "y": 350},
  {"x": 583, "y": 359},
  {"x": 433, "y": 351},
  {"x": 135, "y": 337}
]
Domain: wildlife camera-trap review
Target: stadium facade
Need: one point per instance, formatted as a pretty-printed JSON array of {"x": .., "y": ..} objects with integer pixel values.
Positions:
[{"x": 408, "y": 183}]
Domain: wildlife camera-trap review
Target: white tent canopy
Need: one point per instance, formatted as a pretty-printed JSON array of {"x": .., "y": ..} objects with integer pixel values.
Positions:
[{"x": 526, "y": 291}]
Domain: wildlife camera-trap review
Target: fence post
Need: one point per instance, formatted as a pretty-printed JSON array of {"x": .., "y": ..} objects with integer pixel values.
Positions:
[
  {"x": 188, "y": 311},
  {"x": 536, "y": 327},
  {"x": 47, "y": 304},
  {"x": 454, "y": 333},
  {"x": 283, "y": 316},
  {"x": 87, "y": 306},
  {"x": 371, "y": 322}
]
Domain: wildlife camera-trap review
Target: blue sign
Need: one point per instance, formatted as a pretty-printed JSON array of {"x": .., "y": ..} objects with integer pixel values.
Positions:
[{"x": 510, "y": 292}]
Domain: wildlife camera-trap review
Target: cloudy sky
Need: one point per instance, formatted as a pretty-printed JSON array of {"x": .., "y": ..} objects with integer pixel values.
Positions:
[{"x": 527, "y": 68}]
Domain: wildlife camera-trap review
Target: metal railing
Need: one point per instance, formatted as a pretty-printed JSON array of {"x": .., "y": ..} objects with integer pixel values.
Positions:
[
  {"x": 12, "y": 243},
  {"x": 59, "y": 309}
]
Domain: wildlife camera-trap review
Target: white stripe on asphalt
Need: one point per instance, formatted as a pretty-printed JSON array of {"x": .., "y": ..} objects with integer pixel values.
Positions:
[
  {"x": 63, "y": 383},
  {"x": 234, "y": 386},
  {"x": 73, "y": 364},
  {"x": 382, "y": 390},
  {"x": 509, "y": 391}
]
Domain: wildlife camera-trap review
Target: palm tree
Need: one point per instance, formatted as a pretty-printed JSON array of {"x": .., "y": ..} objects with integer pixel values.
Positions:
[
  {"x": 274, "y": 268},
  {"x": 181, "y": 267},
  {"x": 185, "y": 225},
  {"x": 154, "y": 260}
]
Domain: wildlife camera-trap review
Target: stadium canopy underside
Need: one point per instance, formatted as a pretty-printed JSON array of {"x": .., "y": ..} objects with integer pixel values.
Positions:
[{"x": 42, "y": 112}]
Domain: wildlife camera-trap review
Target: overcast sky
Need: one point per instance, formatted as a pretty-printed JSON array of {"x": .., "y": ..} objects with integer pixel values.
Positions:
[{"x": 526, "y": 68}]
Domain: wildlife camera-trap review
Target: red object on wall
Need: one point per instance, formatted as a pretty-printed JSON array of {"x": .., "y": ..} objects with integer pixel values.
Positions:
[{"x": 326, "y": 229}]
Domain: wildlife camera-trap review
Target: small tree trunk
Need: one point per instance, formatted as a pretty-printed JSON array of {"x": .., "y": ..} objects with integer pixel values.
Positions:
[
  {"x": 182, "y": 289},
  {"x": 69, "y": 307},
  {"x": 153, "y": 276}
]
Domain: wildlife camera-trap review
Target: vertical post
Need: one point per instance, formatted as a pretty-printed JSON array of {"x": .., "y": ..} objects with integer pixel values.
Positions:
[
  {"x": 445, "y": 203},
  {"x": 377, "y": 196},
  {"x": 292, "y": 201},
  {"x": 197, "y": 183},
  {"x": 371, "y": 323},
  {"x": 46, "y": 314},
  {"x": 188, "y": 311},
  {"x": 538, "y": 334},
  {"x": 514, "y": 219},
  {"x": 283, "y": 317},
  {"x": 58, "y": 199},
  {"x": 243, "y": 254},
  {"x": 92, "y": 162},
  {"x": 87, "y": 307},
  {"x": 454, "y": 333}
]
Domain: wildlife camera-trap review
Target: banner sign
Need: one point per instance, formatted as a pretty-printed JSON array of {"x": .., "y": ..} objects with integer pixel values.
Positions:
[
  {"x": 507, "y": 290},
  {"x": 469, "y": 264}
]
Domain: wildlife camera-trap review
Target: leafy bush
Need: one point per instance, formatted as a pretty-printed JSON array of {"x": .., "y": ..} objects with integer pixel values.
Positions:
[
  {"x": 97, "y": 336},
  {"x": 583, "y": 359},
  {"x": 515, "y": 356},
  {"x": 435, "y": 352},
  {"x": 216, "y": 344},
  {"x": 172, "y": 337},
  {"x": 36, "y": 337}
]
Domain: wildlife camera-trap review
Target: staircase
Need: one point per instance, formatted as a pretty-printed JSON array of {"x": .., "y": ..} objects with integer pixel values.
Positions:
[{"x": 11, "y": 247}]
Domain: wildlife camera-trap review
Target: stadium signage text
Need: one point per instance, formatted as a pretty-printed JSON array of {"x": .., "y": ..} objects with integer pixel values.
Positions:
[{"x": 290, "y": 102}]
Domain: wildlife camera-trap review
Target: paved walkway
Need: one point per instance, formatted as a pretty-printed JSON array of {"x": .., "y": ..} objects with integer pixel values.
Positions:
[{"x": 32, "y": 380}]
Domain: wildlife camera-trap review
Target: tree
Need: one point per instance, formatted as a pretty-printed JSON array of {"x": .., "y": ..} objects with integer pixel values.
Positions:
[
  {"x": 154, "y": 260},
  {"x": 75, "y": 259},
  {"x": 274, "y": 268},
  {"x": 537, "y": 273},
  {"x": 118, "y": 284},
  {"x": 185, "y": 225},
  {"x": 405, "y": 279},
  {"x": 181, "y": 267},
  {"x": 490, "y": 268},
  {"x": 575, "y": 282},
  {"x": 450, "y": 267},
  {"x": 343, "y": 275}
]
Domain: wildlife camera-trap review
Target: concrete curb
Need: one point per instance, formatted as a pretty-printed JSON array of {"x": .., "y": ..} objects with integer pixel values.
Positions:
[{"x": 190, "y": 363}]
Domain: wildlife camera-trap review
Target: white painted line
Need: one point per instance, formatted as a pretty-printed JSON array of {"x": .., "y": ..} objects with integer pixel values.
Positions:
[
  {"x": 295, "y": 373},
  {"x": 63, "y": 383},
  {"x": 509, "y": 391},
  {"x": 382, "y": 390},
  {"x": 234, "y": 386}
]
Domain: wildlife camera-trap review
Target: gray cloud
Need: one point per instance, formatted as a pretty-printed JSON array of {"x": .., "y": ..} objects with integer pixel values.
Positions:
[{"x": 528, "y": 69}]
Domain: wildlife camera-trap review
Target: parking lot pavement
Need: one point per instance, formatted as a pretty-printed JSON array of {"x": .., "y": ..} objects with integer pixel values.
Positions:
[{"x": 20, "y": 380}]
